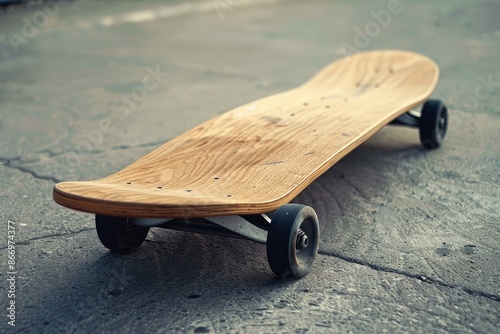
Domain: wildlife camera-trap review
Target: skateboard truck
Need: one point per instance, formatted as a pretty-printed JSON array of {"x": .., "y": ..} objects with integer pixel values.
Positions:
[
  {"x": 432, "y": 123},
  {"x": 407, "y": 119},
  {"x": 291, "y": 236},
  {"x": 252, "y": 227}
]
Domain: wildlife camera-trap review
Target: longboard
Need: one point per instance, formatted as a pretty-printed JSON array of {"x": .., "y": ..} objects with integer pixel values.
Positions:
[{"x": 259, "y": 156}]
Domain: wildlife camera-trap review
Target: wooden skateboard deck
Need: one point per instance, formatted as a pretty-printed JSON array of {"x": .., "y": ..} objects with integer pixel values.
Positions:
[{"x": 259, "y": 156}]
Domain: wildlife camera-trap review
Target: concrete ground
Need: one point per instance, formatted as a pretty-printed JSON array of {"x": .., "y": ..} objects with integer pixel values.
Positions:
[{"x": 410, "y": 239}]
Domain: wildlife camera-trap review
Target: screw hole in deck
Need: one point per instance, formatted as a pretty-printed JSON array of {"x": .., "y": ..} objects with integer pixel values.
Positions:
[{"x": 129, "y": 182}]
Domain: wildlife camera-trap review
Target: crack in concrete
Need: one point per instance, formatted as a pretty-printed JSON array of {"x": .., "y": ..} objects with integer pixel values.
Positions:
[
  {"x": 28, "y": 241},
  {"x": 17, "y": 162},
  {"x": 7, "y": 163},
  {"x": 422, "y": 278}
]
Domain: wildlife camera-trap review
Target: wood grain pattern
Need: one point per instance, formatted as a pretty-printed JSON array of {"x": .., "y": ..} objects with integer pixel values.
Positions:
[{"x": 259, "y": 156}]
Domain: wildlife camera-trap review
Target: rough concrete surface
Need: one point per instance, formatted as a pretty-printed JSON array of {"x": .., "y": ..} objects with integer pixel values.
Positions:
[{"x": 410, "y": 239}]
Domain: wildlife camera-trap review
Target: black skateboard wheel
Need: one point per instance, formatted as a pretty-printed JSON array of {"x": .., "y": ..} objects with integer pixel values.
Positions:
[
  {"x": 118, "y": 235},
  {"x": 433, "y": 124},
  {"x": 292, "y": 241}
]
